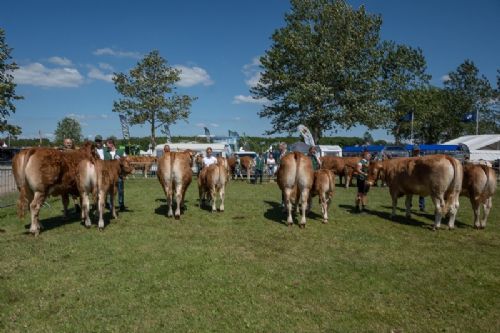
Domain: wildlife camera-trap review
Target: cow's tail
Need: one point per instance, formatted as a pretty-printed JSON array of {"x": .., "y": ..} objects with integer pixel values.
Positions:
[
  {"x": 22, "y": 201},
  {"x": 456, "y": 184},
  {"x": 490, "y": 185}
]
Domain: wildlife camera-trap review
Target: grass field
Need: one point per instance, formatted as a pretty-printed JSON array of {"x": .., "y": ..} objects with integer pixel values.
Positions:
[{"x": 244, "y": 270}]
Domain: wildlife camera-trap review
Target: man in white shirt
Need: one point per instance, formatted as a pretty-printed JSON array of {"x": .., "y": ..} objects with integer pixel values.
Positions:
[{"x": 209, "y": 159}]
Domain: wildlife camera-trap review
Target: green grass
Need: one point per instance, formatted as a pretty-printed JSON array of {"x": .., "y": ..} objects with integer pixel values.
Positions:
[{"x": 244, "y": 270}]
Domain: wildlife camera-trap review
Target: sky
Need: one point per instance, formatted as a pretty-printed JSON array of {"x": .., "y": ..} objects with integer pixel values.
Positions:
[{"x": 68, "y": 50}]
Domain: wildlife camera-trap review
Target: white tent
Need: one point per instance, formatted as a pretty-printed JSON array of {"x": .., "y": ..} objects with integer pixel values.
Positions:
[
  {"x": 481, "y": 147},
  {"x": 333, "y": 150}
]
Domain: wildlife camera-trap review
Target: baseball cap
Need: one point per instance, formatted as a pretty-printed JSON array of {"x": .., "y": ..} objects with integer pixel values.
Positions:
[{"x": 98, "y": 138}]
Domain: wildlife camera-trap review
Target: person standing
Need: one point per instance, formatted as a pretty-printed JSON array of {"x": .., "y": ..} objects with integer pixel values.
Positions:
[
  {"x": 99, "y": 147},
  {"x": 363, "y": 187},
  {"x": 209, "y": 159},
  {"x": 111, "y": 153},
  {"x": 166, "y": 149},
  {"x": 271, "y": 164},
  {"x": 282, "y": 153},
  {"x": 259, "y": 167},
  {"x": 316, "y": 163}
]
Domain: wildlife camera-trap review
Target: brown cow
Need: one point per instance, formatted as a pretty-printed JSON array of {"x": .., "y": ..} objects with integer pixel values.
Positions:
[
  {"x": 18, "y": 164},
  {"x": 212, "y": 180},
  {"x": 175, "y": 175},
  {"x": 341, "y": 166},
  {"x": 51, "y": 172},
  {"x": 479, "y": 184},
  {"x": 246, "y": 163},
  {"x": 295, "y": 178},
  {"x": 324, "y": 187},
  {"x": 99, "y": 179},
  {"x": 439, "y": 176},
  {"x": 145, "y": 161}
]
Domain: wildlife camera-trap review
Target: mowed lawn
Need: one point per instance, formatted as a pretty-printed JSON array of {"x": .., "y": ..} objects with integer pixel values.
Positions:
[{"x": 244, "y": 270}]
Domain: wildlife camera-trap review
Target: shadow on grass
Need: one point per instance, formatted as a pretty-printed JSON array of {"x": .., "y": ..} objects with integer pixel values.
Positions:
[
  {"x": 386, "y": 216},
  {"x": 429, "y": 216},
  {"x": 163, "y": 209},
  {"x": 275, "y": 214}
]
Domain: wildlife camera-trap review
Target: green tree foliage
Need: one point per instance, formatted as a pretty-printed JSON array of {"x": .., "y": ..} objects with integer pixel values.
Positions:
[
  {"x": 367, "y": 138},
  {"x": 150, "y": 94},
  {"x": 328, "y": 68},
  {"x": 470, "y": 92},
  {"x": 68, "y": 128},
  {"x": 7, "y": 85}
]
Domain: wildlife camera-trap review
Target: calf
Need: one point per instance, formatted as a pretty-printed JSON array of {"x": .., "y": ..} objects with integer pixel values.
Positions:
[
  {"x": 439, "y": 176},
  {"x": 175, "y": 175},
  {"x": 479, "y": 184},
  {"x": 212, "y": 181},
  {"x": 324, "y": 187},
  {"x": 99, "y": 179},
  {"x": 295, "y": 178},
  {"x": 341, "y": 166},
  {"x": 51, "y": 172}
]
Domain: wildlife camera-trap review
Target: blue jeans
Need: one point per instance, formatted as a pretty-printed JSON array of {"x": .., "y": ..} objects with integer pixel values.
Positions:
[
  {"x": 421, "y": 203},
  {"x": 121, "y": 192}
]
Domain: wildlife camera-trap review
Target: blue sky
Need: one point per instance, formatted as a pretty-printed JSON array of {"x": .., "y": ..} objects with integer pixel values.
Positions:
[{"x": 68, "y": 50}]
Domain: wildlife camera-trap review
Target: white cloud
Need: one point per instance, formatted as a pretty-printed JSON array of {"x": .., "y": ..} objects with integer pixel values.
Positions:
[
  {"x": 103, "y": 65},
  {"x": 97, "y": 74},
  {"x": 214, "y": 125},
  {"x": 239, "y": 99},
  {"x": 61, "y": 61},
  {"x": 252, "y": 72},
  {"x": 201, "y": 125},
  {"x": 104, "y": 116},
  {"x": 445, "y": 78},
  {"x": 37, "y": 74},
  {"x": 191, "y": 76},
  {"x": 117, "y": 53}
]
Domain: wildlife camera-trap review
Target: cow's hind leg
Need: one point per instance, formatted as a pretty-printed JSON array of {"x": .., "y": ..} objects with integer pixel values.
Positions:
[
  {"x": 394, "y": 197},
  {"x": 222, "y": 194},
  {"x": 476, "y": 208},
  {"x": 487, "y": 207},
  {"x": 101, "y": 198},
  {"x": 303, "y": 201},
  {"x": 288, "y": 205},
  {"x": 86, "y": 209},
  {"x": 213, "y": 197},
  {"x": 455, "y": 204},
  {"x": 178, "y": 199},
  {"x": 65, "y": 203},
  {"x": 35, "y": 206},
  {"x": 438, "y": 212},
  {"x": 324, "y": 206},
  {"x": 408, "y": 205}
]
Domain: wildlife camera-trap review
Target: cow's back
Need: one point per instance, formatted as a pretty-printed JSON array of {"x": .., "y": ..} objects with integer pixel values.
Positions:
[{"x": 479, "y": 181}]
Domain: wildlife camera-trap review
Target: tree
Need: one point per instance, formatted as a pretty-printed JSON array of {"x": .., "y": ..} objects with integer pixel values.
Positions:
[
  {"x": 68, "y": 128},
  {"x": 322, "y": 68},
  {"x": 403, "y": 70},
  {"x": 7, "y": 85},
  {"x": 367, "y": 138},
  {"x": 150, "y": 94},
  {"x": 470, "y": 92}
]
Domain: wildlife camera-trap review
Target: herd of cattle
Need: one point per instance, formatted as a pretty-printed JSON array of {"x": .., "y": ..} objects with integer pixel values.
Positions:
[{"x": 41, "y": 172}]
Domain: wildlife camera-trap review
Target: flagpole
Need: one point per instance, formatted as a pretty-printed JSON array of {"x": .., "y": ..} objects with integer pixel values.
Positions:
[
  {"x": 477, "y": 121},
  {"x": 411, "y": 133}
]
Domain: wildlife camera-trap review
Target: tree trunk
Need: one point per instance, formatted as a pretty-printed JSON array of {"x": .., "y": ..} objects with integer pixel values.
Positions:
[{"x": 153, "y": 135}]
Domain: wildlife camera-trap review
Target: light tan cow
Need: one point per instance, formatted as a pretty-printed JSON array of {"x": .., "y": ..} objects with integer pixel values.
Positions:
[
  {"x": 175, "y": 174},
  {"x": 438, "y": 176},
  {"x": 479, "y": 184},
  {"x": 212, "y": 181},
  {"x": 51, "y": 172},
  {"x": 295, "y": 178},
  {"x": 247, "y": 163},
  {"x": 324, "y": 187},
  {"x": 99, "y": 179},
  {"x": 18, "y": 164},
  {"x": 341, "y": 166}
]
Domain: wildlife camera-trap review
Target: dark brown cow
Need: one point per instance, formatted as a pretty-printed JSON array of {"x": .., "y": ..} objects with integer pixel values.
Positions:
[
  {"x": 439, "y": 176},
  {"x": 212, "y": 180},
  {"x": 99, "y": 179},
  {"x": 324, "y": 187},
  {"x": 51, "y": 172},
  {"x": 341, "y": 166},
  {"x": 479, "y": 184},
  {"x": 295, "y": 178},
  {"x": 175, "y": 175}
]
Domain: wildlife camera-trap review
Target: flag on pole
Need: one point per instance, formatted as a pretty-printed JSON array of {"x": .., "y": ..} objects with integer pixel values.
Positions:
[
  {"x": 125, "y": 129},
  {"x": 469, "y": 117},
  {"x": 207, "y": 134},
  {"x": 407, "y": 117},
  {"x": 166, "y": 129},
  {"x": 306, "y": 134}
]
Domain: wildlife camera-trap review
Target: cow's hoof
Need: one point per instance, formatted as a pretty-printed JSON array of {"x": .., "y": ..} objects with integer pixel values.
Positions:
[
  {"x": 177, "y": 217},
  {"x": 325, "y": 221},
  {"x": 289, "y": 225},
  {"x": 101, "y": 228},
  {"x": 87, "y": 226}
]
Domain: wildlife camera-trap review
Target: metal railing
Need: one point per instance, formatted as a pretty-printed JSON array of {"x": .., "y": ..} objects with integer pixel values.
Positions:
[{"x": 8, "y": 187}]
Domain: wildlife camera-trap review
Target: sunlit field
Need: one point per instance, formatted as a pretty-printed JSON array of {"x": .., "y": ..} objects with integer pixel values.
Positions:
[{"x": 244, "y": 270}]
